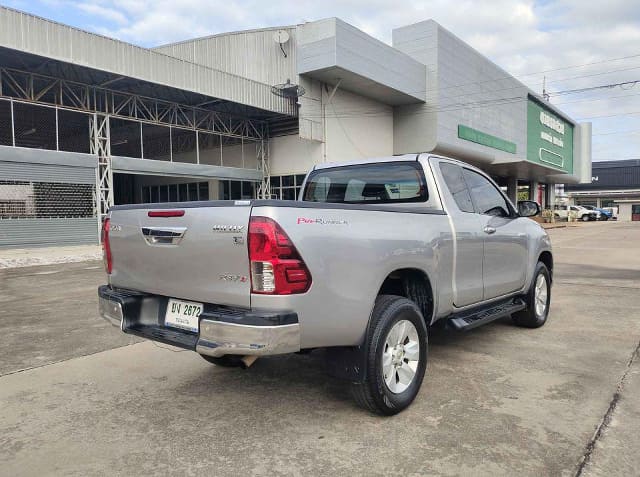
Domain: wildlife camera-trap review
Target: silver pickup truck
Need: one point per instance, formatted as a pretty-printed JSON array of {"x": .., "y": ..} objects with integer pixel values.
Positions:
[{"x": 371, "y": 255}]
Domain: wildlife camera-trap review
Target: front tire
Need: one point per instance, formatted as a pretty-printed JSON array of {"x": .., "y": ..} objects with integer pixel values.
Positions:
[
  {"x": 396, "y": 360},
  {"x": 538, "y": 300}
]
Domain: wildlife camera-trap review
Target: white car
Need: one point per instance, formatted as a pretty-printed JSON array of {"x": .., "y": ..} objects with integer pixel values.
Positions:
[{"x": 562, "y": 211}]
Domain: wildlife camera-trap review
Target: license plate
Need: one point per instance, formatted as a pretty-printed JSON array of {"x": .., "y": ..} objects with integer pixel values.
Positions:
[{"x": 183, "y": 315}]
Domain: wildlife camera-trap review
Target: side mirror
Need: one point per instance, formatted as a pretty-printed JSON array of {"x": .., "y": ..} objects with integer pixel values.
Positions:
[{"x": 528, "y": 208}]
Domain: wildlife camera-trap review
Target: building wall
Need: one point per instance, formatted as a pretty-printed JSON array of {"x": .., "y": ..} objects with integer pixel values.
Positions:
[
  {"x": 463, "y": 87},
  {"x": 415, "y": 125},
  {"x": 355, "y": 127},
  {"x": 293, "y": 155},
  {"x": 310, "y": 112},
  {"x": 626, "y": 208},
  {"x": 624, "y": 212},
  {"x": 474, "y": 92}
]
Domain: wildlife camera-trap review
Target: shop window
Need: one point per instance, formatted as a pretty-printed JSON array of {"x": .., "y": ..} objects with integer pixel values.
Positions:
[
  {"x": 175, "y": 192},
  {"x": 286, "y": 187},
  {"x": 183, "y": 192},
  {"x": 236, "y": 190}
]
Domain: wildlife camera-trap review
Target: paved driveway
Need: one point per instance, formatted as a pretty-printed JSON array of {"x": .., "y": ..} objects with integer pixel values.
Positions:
[{"x": 79, "y": 398}]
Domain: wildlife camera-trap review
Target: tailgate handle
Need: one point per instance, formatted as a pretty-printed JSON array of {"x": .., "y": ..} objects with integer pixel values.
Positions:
[{"x": 163, "y": 235}]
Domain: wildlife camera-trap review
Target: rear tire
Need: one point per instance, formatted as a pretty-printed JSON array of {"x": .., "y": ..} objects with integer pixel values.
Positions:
[
  {"x": 226, "y": 361},
  {"x": 538, "y": 300},
  {"x": 396, "y": 356}
]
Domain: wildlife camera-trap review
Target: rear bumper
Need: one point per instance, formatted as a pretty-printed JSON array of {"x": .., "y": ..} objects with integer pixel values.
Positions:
[{"x": 222, "y": 330}]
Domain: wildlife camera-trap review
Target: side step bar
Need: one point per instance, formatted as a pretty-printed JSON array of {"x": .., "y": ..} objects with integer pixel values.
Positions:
[{"x": 473, "y": 318}]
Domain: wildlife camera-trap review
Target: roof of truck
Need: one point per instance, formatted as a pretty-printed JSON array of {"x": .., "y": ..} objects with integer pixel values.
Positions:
[{"x": 399, "y": 158}]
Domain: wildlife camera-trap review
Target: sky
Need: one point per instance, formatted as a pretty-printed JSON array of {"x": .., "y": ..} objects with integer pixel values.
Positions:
[{"x": 574, "y": 43}]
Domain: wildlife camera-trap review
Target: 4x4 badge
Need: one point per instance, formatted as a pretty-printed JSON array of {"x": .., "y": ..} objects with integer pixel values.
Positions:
[{"x": 228, "y": 228}]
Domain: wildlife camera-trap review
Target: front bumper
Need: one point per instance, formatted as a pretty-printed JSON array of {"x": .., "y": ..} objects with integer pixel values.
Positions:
[{"x": 223, "y": 330}]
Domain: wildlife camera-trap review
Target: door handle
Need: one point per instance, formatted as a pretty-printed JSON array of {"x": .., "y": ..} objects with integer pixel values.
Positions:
[
  {"x": 163, "y": 235},
  {"x": 489, "y": 230}
]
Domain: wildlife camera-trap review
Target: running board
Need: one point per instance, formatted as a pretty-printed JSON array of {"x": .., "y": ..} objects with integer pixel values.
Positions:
[{"x": 473, "y": 318}]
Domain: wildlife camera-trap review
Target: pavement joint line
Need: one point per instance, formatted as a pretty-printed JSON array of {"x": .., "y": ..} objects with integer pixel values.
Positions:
[
  {"x": 31, "y": 368},
  {"x": 562, "y": 282},
  {"x": 606, "y": 419}
]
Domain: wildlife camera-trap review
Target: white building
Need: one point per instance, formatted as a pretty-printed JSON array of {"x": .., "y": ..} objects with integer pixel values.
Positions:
[{"x": 200, "y": 119}]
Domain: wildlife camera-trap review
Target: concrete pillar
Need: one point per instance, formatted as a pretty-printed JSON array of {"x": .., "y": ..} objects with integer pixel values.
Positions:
[
  {"x": 512, "y": 189},
  {"x": 533, "y": 190},
  {"x": 552, "y": 195},
  {"x": 214, "y": 190}
]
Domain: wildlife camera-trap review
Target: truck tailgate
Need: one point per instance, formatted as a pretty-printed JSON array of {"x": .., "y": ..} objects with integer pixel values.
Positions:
[{"x": 199, "y": 254}]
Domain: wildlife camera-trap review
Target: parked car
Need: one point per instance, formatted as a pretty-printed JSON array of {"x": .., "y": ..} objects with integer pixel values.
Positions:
[
  {"x": 602, "y": 213},
  {"x": 371, "y": 255},
  {"x": 613, "y": 211},
  {"x": 562, "y": 212}
]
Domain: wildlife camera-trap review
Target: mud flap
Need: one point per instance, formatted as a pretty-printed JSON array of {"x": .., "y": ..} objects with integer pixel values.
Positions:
[{"x": 348, "y": 363}]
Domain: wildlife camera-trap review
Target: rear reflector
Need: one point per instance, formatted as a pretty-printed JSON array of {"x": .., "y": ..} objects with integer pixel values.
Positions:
[
  {"x": 106, "y": 247},
  {"x": 165, "y": 213},
  {"x": 276, "y": 266}
]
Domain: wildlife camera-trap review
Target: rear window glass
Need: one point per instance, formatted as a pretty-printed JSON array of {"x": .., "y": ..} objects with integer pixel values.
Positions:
[{"x": 392, "y": 182}]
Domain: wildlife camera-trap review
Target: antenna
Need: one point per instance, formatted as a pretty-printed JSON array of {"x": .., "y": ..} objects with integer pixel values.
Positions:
[
  {"x": 545, "y": 95},
  {"x": 288, "y": 90},
  {"x": 281, "y": 37}
]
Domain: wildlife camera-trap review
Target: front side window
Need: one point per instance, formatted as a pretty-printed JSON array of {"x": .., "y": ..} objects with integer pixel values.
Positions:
[
  {"x": 392, "y": 182},
  {"x": 486, "y": 197},
  {"x": 452, "y": 174}
]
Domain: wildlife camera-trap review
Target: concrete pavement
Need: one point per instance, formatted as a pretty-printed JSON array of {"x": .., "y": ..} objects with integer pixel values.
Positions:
[
  {"x": 499, "y": 400},
  {"x": 48, "y": 314},
  {"x": 23, "y": 257}
]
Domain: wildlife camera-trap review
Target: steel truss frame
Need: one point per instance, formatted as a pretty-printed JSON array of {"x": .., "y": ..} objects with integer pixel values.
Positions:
[
  {"x": 101, "y": 146},
  {"x": 105, "y": 103}
]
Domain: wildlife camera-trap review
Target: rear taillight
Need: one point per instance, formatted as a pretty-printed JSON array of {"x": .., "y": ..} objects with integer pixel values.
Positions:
[
  {"x": 276, "y": 266},
  {"x": 106, "y": 247}
]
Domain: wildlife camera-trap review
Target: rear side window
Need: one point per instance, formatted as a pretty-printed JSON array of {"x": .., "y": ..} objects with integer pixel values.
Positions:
[
  {"x": 452, "y": 175},
  {"x": 381, "y": 183}
]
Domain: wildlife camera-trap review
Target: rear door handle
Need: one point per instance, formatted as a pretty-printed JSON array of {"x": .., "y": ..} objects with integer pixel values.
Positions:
[
  {"x": 489, "y": 230},
  {"x": 163, "y": 235}
]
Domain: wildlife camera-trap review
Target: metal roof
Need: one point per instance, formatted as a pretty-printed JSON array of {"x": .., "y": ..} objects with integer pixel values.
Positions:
[
  {"x": 38, "y": 36},
  {"x": 228, "y": 33}
]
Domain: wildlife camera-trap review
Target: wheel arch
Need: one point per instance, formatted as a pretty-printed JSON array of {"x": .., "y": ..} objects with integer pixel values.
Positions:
[
  {"x": 349, "y": 362},
  {"x": 546, "y": 257},
  {"x": 413, "y": 284}
]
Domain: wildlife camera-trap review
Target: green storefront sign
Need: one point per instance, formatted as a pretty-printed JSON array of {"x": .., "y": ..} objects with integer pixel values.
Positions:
[
  {"x": 549, "y": 137},
  {"x": 479, "y": 137}
]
